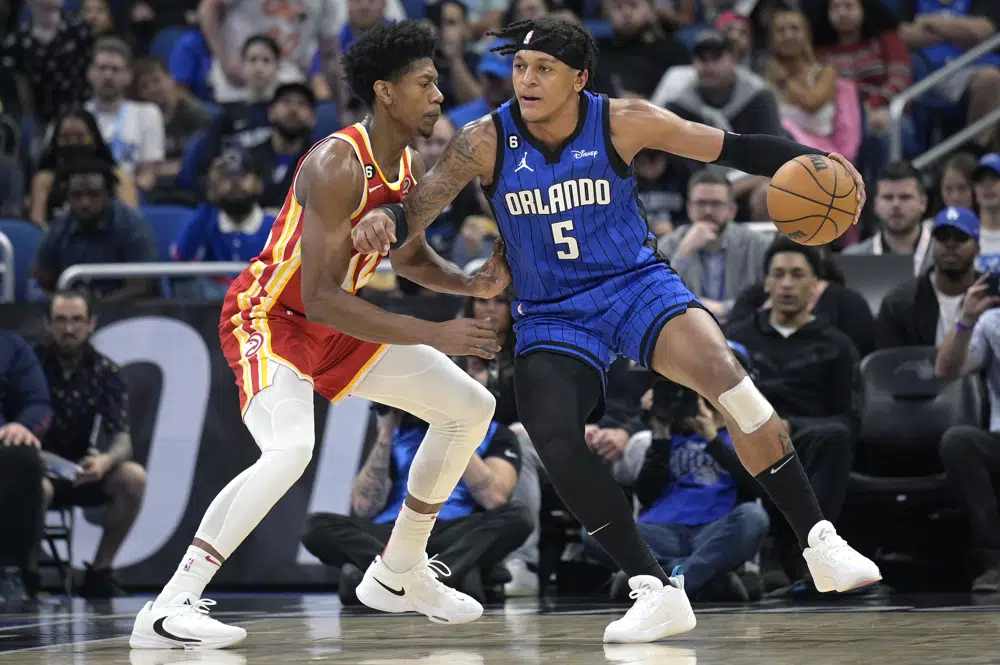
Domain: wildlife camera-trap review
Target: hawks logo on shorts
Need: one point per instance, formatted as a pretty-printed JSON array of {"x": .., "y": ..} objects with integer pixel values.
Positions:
[{"x": 263, "y": 324}]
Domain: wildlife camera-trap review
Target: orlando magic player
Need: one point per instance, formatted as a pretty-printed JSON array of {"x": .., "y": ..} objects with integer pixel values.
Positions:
[{"x": 556, "y": 163}]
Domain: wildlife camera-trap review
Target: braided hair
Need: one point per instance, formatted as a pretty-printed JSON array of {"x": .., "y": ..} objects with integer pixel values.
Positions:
[{"x": 548, "y": 27}]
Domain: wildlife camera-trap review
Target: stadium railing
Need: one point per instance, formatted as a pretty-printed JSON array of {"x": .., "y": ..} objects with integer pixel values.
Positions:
[
  {"x": 898, "y": 104},
  {"x": 81, "y": 271}
]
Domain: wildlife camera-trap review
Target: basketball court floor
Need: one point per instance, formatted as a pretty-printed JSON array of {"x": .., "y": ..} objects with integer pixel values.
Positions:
[{"x": 295, "y": 630}]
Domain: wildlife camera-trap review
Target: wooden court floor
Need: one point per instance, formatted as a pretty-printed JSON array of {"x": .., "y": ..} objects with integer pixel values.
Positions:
[{"x": 290, "y": 630}]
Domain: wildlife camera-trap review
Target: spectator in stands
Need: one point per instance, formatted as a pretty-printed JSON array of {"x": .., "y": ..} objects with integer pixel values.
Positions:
[
  {"x": 89, "y": 396},
  {"x": 55, "y": 76},
  {"x": 662, "y": 184},
  {"x": 715, "y": 256},
  {"x": 809, "y": 371},
  {"x": 860, "y": 40},
  {"x": 25, "y": 415},
  {"x": 986, "y": 182},
  {"x": 74, "y": 135},
  {"x": 361, "y": 15},
  {"x": 921, "y": 311},
  {"x": 900, "y": 205},
  {"x": 229, "y": 226},
  {"x": 454, "y": 60},
  {"x": 150, "y": 16},
  {"x": 495, "y": 72},
  {"x": 299, "y": 29},
  {"x": 476, "y": 528},
  {"x": 698, "y": 510},
  {"x": 292, "y": 115},
  {"x": 133, "y": 130},
  {"x": 183, "y": 117},
  {"x": 955, "y": 188},
  {"x": 98, "y": 14},
  {"x": 245, "y": 123},
  {"x": 484, "y": 16},
  {"x": 639, "y": 51},
  {"x": 97, "y": 229},
  {"x": 971, "y": 455},
  {"x": 718, "y": 93},
  {"x": 832, "y": 302},
  {"x": 190, "y": 64},
  {"x": 943, "y": 30},
  {"x": 816, "y": 108},
  {"x": 738, "y": 30}
]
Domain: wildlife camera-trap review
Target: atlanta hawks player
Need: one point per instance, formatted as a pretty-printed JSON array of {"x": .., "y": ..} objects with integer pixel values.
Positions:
[{"x": 291, "y": 325}]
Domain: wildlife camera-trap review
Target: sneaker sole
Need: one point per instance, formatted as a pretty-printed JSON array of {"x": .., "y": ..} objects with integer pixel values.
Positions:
[
  {"x": 149, "y": 642},
  {"x": 660, "y": 632},
  {"x": 373, "y": 598}
]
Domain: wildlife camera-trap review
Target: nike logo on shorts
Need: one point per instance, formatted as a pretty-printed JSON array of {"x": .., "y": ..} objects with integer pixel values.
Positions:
[
  {"x": 400, "y": 593},
  {"x": 162, "y": 632}
]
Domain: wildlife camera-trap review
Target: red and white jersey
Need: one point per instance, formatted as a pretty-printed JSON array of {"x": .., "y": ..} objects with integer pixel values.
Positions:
[{"x": 277, "y": 270}]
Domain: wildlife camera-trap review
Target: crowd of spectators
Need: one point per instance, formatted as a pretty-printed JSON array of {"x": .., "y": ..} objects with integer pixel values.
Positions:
[{"x": 113, "y": 113}]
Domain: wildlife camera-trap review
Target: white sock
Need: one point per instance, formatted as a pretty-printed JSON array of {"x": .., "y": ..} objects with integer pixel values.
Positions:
[
  {"x": 408, "y": 541},
  {"x": 196, "y": 570}
]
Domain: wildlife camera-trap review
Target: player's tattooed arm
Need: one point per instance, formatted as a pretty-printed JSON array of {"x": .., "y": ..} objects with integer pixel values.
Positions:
[{"x": 470, "y": 153}]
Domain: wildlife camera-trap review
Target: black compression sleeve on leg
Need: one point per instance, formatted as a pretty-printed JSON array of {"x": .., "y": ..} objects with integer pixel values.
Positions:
[
  {"x": 760, "y": 154},
  {"x": 555, "y": 394}
]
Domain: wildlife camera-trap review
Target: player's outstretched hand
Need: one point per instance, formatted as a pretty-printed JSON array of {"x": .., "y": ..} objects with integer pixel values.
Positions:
[
  {"x": 374, "y": 233},
  {"x": 494, "y": 275},
  {"x": 859, "y": 183},
  {"x": 467, "y": 337}
]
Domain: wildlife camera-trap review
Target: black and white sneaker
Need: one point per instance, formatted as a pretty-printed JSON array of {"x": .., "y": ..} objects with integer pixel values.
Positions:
[{"x": 183, "y": 623}]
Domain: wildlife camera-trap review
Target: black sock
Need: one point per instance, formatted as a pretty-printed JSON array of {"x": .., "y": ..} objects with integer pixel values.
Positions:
[
  {"x": 786, "y": 483},
  {"x": 623, "y": 543}
]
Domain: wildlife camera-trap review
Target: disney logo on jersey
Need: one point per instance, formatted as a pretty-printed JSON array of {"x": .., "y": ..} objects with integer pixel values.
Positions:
[
  {"x": 580, "y": 154},
  {"x": 559, "y": 197}
]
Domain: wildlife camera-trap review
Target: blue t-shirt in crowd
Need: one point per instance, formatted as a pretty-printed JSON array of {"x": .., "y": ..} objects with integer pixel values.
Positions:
[
  {"x": 466, "y": 113},
  {"x": 700, "y": 490},
  {"x": 405, "y": 443},
  {"x": 208, "y": 234},
  {"x": 190, "y": 64}
]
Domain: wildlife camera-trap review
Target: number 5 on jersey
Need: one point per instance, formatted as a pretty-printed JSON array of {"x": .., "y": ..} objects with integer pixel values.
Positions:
[{"x": 569, "y": 249}]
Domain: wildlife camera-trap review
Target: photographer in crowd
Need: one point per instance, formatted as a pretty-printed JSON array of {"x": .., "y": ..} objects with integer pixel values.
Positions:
[{"x": 698, "y": 508}]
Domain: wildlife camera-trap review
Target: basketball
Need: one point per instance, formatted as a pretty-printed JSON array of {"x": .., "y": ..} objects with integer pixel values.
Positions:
[{"x": 812, "y": 200}]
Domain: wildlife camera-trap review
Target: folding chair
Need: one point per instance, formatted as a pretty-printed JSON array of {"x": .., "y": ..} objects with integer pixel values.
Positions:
[{"x": 59, "y": 524}]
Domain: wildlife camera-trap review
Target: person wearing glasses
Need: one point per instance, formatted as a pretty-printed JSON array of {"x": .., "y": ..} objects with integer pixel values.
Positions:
[{"x": 714, "y": 256}]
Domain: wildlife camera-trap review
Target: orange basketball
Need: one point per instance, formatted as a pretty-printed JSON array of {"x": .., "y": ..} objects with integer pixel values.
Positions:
[{"x": 812, "y": 200}]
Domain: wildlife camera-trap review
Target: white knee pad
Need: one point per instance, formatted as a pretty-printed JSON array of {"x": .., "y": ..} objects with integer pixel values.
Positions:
[{"x": 747, "y": 406}]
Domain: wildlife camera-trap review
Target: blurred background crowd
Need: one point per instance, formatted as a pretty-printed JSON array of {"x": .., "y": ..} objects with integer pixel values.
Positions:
[{"x": 156, "y": 131}]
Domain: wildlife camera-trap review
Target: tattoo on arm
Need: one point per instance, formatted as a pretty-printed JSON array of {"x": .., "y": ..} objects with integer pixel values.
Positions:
[
  {"x": 371, "y": 488},
  {"x": 470, "y": 153},
  {"x": 786, "y": 444}
]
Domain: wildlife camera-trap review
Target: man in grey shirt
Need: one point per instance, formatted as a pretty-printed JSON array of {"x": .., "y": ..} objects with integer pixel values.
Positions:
[
  {"x": 972, "y": 455},
  {"x": 715, "y": 256}
]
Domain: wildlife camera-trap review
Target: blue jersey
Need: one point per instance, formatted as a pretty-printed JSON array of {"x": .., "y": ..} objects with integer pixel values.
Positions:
[
  {"x": 570, "y": 217},
  {"x": 588, "y": 279}
]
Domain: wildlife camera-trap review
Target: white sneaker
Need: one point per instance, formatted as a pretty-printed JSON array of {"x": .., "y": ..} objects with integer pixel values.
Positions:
[
  {"x": 523, "y": 582},
  {"x": 835, "y": 565},
  {"x": 417, "y": 590},
  {"x": 183, "y": 623},
  {"x": 659, "y": 611}
]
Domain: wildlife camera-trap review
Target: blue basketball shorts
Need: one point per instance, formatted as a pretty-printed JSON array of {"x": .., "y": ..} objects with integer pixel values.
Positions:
[{"x": 622, "y": 316}]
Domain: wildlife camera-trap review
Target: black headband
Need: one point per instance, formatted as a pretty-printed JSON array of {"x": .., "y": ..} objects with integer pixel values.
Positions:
[{"x": 558, "y": 47}]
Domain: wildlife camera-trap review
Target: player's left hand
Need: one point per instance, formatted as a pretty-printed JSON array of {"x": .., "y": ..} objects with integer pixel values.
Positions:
[
  {"x": 494, "y": 275},
  {"x": 859, "y": 183},
  {"x": 374, "y": 233}
]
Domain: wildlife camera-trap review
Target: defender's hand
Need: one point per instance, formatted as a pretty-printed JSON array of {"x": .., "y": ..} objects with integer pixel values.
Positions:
[
  {"x": 466, "y": 337},
  {"x": 374, "y": 233},
  {"x": 859, "y": 183},
  {"x": 494, "y": 275}
]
